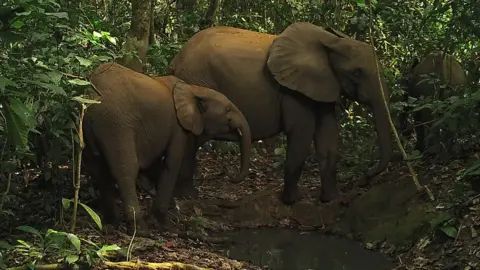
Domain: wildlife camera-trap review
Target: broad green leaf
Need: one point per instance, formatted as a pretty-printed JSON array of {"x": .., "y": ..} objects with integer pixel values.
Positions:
[
  {"x": 55, "y": 76},
  {"x": 79, "y": 82},
  {"x": 55, "y": 89},
  {"x": 42, "y": 65},
  {"x": 61, "y": 15},
  {"x": 29, "y": 230},
  {"x": 279, "y": 151},
  {"x": 42, "y": 77},
  {"x": 66, "y": 203},
  {"x": 50, "y": 231},
  {"x": 96, "y": 34},
  {"x": 92, "y": 214},
  {"x": 17, "y": 24},
  {"x": 75, "y": 241},
  {"x": 71, "y": 259},
  {"x": 112, "y": 40},
  {"x": 84, "y": 100},
  {"x": 23, "y": 243},
  {"x": 6, "y": 82},
  {"x": 17, "y": 129},
  {"x": 84, "y": 62},
  {"x": 103, "y": 251},
  {"x": 450, "y": 231},
  {"x": 5, "y": 245},
  {"x": 24, "y": 112}
]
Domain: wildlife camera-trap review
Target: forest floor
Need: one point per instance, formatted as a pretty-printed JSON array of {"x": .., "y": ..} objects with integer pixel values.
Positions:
[{"x": 408, "y": 228}]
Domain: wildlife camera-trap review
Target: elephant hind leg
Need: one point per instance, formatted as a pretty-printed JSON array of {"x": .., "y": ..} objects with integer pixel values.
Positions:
[
  {"x": 108, "y": 193},
  {"x": 299, "y": 124},
  {"x": 121, "y": 156}
]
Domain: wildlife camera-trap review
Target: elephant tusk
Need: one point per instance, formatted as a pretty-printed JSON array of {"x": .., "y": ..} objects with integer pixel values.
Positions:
[{"x": 239, "y": 132}]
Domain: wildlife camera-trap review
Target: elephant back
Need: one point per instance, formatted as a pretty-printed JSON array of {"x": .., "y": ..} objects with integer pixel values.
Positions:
[{"x": 445, "y": 66}]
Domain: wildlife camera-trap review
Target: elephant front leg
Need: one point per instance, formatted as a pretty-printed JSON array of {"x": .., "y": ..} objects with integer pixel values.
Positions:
[
  {"x": 168, "y": 177},
  {"x": 299, "y": 125},
  {"x": 326, "y": 146},
  {"x": 185, "y": 188}
]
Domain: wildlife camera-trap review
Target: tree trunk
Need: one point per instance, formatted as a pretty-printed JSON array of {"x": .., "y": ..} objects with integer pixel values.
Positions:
[
  {"x": 209, "y": 18},
  {"x": 138, "y": 35},
  {"x": 151, "y": 38}
]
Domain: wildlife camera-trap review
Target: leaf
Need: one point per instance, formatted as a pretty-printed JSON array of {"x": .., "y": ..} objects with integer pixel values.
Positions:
[
  {"x": 17, "y": 129},
  {"x": 6, "y": 82},
  {"x": 66, "y": 203},
  {"x": 75, "y": 241},
  {"x": 112, "y": 40},
  {"x": 79, "y": 82},
  {"x": 93, "y": 215},
  {"x": 17, "y": 24},
  {"x": 450, "y": 231},
  {"x": 96, "y": 34},
  {"x": 29, "y": 230},
  {"x": 84, "y": 62},
  {"x": 61, "y": 15},
  {"x": 87, "y": 101},
  {"x": 23, "y": 112},
  {"x": 71, "y": 259},
  {"x": 104, "y": 250},
  {"x": 23, "y": 243},
  {"x": 55, "y": 89},
  {"x": 55, "y": 76},
  {"x": 279, "y": 151},
  {"x": 5, "y": 245}
]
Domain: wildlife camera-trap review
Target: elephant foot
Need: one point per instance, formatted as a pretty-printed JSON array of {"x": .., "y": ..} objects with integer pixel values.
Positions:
[
  {"x": 291, "y": 195},
  {"x": 142, "y": 229},
  {"x": 185, "y": 191},
  {"x": 329, "y": 195}
]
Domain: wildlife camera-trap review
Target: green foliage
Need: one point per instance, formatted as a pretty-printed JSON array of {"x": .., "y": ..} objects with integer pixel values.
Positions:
[
  {"x": 66, "y": 205},
  {"x": 62, "y": 246}
]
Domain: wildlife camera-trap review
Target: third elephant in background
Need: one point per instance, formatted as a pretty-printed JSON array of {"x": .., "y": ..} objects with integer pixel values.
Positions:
[
  {"x": 288, "y": 83},
  {"x": 447, "y": 71}
]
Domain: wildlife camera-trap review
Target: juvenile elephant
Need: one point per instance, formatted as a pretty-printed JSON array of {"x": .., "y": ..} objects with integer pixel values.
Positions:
[
  {"x": 449, "y": 71},
  {"x": 141, "y": 120},
  {"x": 288, "y": 83}
]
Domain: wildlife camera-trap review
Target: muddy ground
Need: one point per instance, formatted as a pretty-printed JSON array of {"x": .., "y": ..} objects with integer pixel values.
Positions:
[{"x": 390, "y": 216}]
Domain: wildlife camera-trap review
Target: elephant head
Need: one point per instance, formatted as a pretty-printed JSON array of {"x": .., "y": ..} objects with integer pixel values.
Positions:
[
  {"x": 206, "y": 112},
  {"x": 323, "y": 64}
]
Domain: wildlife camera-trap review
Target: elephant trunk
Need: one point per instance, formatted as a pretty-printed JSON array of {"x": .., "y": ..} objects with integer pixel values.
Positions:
[
  {"x": 245, "y": 138},
  {"x": 382, "y": 125}
]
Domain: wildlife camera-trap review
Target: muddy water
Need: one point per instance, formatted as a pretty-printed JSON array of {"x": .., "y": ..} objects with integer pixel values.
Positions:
[{"x": 285, "y": 249}]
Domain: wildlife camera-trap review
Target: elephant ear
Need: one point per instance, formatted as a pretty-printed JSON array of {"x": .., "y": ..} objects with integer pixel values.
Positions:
[
  {"x": 187, "y": 106},
  {"x": 298, "y": 59}
]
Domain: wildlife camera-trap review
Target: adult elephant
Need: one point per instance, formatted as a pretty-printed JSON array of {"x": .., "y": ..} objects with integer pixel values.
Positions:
[
  {"x": 288, "y": 83},
  {"x": 449, "y": 72}
]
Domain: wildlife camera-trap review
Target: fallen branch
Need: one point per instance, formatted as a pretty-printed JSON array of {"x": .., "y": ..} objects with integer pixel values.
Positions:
[
  {"x": 153, "y": 266},
  {"x": 40, "y": 267},
  {"x": 123, "y": 265}
]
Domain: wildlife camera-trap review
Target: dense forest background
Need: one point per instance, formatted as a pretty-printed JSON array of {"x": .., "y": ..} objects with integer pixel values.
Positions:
[{"x": 49, "y": 47}]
